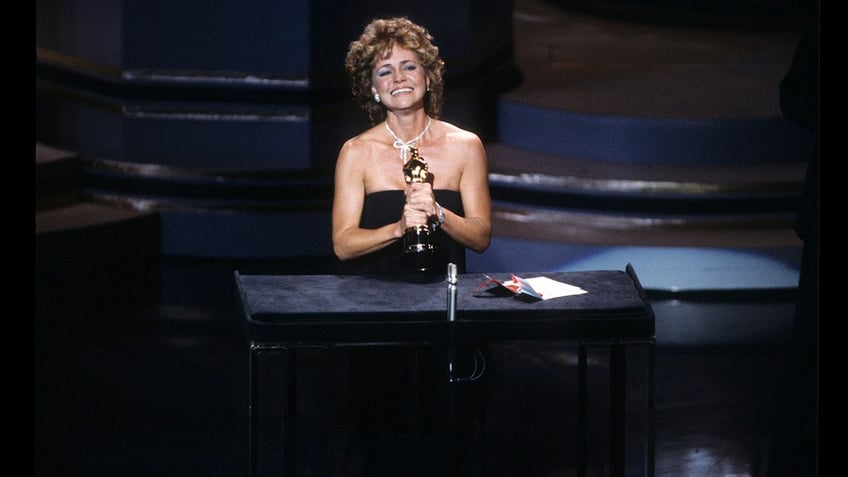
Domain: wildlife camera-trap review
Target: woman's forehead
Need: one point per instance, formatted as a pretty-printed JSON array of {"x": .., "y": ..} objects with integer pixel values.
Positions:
[{"x": 396, "y": 54}]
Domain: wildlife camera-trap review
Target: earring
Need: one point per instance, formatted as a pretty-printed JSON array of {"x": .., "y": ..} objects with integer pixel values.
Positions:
[
  {"x": 428, "y": 88},
  {"x": 377, "y": 97}
]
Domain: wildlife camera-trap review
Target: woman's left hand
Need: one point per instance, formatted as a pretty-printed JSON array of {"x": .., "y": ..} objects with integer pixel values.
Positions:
[{"x": 420, "y": 204}]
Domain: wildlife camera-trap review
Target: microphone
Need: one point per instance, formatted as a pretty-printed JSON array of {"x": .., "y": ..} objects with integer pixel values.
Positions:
[{"x": 451, "y": 280}]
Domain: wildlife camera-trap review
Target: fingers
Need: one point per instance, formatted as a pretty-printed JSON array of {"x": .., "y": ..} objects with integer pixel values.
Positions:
[
  {"x": 420, "y": 204},
  {"x": 421, "y": 196},
  {"x": 412, "y": 216}
]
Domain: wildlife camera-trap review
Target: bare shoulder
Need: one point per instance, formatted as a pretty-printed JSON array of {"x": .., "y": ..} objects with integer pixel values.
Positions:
[
  {"x": 462, "y": 138},
  {"x": 358, "y": 147},
  {"x": 363, "y": 140},
  {"x": 456, "y": 133}
]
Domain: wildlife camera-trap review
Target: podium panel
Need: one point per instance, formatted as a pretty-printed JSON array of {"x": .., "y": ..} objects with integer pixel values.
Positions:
[{"x": 285, "y": 316}]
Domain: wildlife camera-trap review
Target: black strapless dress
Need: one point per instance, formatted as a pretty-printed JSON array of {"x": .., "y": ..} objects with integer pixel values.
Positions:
[{"x": 385, "y": 207}]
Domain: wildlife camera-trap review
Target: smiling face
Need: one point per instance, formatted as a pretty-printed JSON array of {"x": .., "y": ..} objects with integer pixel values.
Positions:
[{"x": 399, "y": 79}]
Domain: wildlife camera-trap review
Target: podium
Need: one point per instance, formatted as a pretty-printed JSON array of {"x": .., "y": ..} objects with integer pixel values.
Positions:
[{"x": 283, "y": 314}]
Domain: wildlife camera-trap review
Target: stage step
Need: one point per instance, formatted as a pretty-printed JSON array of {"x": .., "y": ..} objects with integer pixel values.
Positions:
[
  {"x": 115, "y": 248},
  {"x": 58, "y": 177},
  {"x": 61, "y": 203},
  {"x": 649, "y": 140}
]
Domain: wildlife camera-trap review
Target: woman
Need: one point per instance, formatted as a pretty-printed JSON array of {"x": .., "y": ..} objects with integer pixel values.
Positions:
[{"x": 396, "y": 75}]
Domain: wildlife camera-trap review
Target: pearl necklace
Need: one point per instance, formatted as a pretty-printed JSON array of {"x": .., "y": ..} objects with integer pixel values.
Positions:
[{"x": 405, "y": 146}]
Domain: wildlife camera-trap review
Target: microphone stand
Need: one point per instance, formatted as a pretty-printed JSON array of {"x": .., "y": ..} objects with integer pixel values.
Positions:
[
  {"x": 451, "y": 281},
  {"x": 451, "y": 417}
]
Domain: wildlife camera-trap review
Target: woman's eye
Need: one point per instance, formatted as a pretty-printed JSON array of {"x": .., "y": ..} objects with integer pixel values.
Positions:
[
  {"x": 410, "y": 67},
  {"x": 383, "y": 72}
]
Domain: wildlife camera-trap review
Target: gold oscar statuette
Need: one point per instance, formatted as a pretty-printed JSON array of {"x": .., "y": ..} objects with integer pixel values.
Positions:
[{"x": 420, "y": 250}]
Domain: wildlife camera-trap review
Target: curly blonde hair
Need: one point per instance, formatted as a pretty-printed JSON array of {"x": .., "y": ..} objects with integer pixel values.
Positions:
[{"x": 379, "y": 37}]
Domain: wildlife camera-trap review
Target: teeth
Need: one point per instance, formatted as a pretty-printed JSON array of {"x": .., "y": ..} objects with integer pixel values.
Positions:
[{"x": 403, "y": 90}]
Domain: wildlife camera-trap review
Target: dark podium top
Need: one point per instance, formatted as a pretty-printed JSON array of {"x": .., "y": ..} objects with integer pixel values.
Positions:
[{"x": 351, "y": 309}]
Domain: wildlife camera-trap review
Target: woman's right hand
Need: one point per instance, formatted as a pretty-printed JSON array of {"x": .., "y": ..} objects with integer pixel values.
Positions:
[{"x": 420, "y": 205}]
